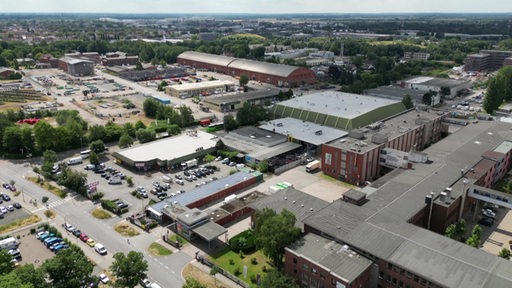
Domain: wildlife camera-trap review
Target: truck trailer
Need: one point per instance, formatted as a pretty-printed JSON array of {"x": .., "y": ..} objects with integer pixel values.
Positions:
[{"x": 312, "y": 166}]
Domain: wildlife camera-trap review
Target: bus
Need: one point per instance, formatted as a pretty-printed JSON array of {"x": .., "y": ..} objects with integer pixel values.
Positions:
[
  {"x": 205, "y": 122},
  {"x": 215, "y": 127}
]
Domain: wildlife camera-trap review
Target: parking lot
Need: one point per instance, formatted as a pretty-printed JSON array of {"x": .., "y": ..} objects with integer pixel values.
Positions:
[
  {"x": 147, "y": 181},
  {"x": 497, "y": 236}
]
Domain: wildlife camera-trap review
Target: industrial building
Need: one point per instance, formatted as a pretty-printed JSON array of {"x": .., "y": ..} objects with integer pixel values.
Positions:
[
  {"x": 203, "y": 88},
  {"x": 257, "y": 145},
  {"x": 487, "y": 60},
  {"x": 234, "y": 101},
  {"x": 338, "y": 109},
  {"x": 398, "y": 93},
  {"x": 76, "y": 67},
  {"x": 118, "y": 59},
  {"x": 399, "y": 225},
  {"x": 167, "y": 152},
  {"x": 359, "y": 157},
  {"x": 275, "y": 74},
  {"x": 426, "y": 84}
]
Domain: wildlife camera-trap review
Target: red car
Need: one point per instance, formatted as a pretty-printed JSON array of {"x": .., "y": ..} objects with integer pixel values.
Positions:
[
  {"x": 12, "y": 188},
  {"x": 84, "y": 237}
]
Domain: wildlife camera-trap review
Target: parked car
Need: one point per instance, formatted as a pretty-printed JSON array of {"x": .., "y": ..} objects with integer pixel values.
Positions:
[
  {"x": 180, "y": 182},
  {"x": 91, "y": 242},
  {"x": 115, "y": 181},
  {"x": 6, "y": 197},
  {"x": 100, "y": 249},
  {"x": 10, "y": 208},
  {"x": 6, "y": 186},
  {"x": 77, "y": 232},
  {"x": 145, "y": 283},
  {"x": 104, "y": 278},
  {"x": 69, "y": 227},
  {"x": 16, "y": 205},
  {"x": 84, "y": 237},
  {"x": 488, "y": 213},
  {"x": 178, "y": 176},
  {"x": 492, "y": 207},
  {"x": 486, "y": 221}
]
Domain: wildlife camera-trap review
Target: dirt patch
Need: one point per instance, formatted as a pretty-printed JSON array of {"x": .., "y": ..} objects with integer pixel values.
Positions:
[{"x": 191, "y": 271}]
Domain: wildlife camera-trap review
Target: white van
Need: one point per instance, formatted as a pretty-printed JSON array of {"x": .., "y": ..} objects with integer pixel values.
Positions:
[
  {"x": 75, "y": 161},
  {"x": 84, "y": 154},
  {"x": 154, "y": 285}
]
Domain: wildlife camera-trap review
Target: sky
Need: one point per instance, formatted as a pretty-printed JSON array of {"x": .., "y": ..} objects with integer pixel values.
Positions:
[{"x": 256, "y": 6}]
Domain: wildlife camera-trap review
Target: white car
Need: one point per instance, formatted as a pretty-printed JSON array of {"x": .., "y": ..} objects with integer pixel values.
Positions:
[
  {"x": 100, "y": 249},
  {"x": 104, "y": 278},
  {"x": 69, "y": 227},
  {"x": 3, "y": 210},
  {"x": 10, "y": 208},
  {"x": 488, "y": 213}
]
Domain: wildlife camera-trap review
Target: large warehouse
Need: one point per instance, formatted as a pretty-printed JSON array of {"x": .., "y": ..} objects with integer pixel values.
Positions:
[
  {"x": 276, "y": 74},
  {"x": 167, "y": 152},
  {"x": 338, "y": 109}
]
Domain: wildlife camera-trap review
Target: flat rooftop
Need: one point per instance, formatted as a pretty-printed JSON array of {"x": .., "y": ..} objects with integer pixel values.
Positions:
[
  {"x": 396, "y": 92},
  {"x": 240, "y": 97},
  {"x": 170, "y": 148},
  {"x": 343, "y": 262},
  {"x": 434, "y": 81},
  {"x": 303, "y": 130},
  {"x": 391, "y": 128},
  {"x": 341, "y": 104}
]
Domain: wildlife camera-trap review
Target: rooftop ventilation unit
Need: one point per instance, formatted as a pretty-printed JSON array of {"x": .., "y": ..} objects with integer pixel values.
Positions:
[{"x": 318, "y": 132}]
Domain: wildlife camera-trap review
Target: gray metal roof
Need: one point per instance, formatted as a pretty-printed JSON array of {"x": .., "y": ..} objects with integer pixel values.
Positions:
[
  {"x": 207, "y": 58},
  {"x": 301, "y": 204},
  {"x": 303, "y": 130},
  {"x": 169, "y": 148},
  {"x": 396, "y": 93},
  {"x": 204, "y": 190},
  {"x": 342, "y": 261},
  {"x": 263, "y": 67}
]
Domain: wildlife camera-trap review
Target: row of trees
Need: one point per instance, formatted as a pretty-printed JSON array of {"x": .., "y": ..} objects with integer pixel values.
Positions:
[
  {"x": 458, "y": 230},
  {"x": 247, "y": 115},
  {"x": 499, "y": 89},
  {"x": 70, "y": 268}
]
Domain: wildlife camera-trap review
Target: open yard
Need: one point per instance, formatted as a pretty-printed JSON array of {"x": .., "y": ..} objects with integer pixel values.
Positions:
[{"x": 231, "y": 261}]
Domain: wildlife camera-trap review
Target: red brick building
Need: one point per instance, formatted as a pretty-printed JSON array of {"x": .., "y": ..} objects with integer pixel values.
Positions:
[
  {"x": 357, "y": 158},
  {"x": 275, "y": 74}
]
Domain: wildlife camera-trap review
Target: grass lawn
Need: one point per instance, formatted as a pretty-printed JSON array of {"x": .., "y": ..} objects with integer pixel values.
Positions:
[
  {"x": 223, "y": 259},
  {"x": 156, "y": 249},
  {"x": 19, "y": 223},
  {"x": 101, "y": 213},
  {"x": 55, "y": 190},
  {"x": 191, "y": 271},
  {"x": 175, "y": 237},
  {"x": 125, "y": 229}
]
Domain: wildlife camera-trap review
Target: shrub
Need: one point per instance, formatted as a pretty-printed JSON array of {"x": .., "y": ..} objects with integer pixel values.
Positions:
[
  {"x": 241, "y": 254},
  {"x": 97, "y": 196},
  {"x": 32, "y": 230},
  {"x": 264, "y": 268},
  {"x": 237, "y": 271},
  {"x": 253, "y": 278},
  {"x": 44, "y": 199},
  {"x": 254, "y": 261},
  {"x": 231, "y": 262}
]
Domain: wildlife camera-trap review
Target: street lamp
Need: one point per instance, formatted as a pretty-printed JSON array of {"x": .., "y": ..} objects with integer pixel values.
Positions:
[{"x": 461, "y": 210}]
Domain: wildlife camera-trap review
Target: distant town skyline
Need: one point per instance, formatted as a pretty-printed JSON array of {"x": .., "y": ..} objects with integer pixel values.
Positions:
[{"x": 256, "y": 6}]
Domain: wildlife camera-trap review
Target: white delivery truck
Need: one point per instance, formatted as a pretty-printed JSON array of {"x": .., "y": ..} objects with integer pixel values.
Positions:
[
  {"x": 312, "y": 166},
  {"x": 189, "y": 164},
  {"x": 75, "y": 161}
]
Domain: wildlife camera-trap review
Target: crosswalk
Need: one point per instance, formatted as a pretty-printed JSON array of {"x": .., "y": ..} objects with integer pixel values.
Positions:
[{"x": 53, "y": 204}]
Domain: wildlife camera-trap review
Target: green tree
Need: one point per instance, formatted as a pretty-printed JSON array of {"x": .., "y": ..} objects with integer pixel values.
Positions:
[
  {"x": 150, "y": 107},
  {"x": 97, "y": 132},
  {"x": 162, "y": 85},
  {"x": 138, "y": 125},
  {"x": 145, "y": 135},
  {"x": 12, "y": 142},
  {"x": 263, "y": 166},
  {"x": 129, "y": 269},
  {"x": 273, "y": 232},
  {"x": 97, "y": 146},
  {"x": 138, "y": 66},
  {"x": 193, "y": 283},
  {"x": 129, "y": 129},
  {"x": 250, "y": 114},
  {"x": 93, "y": 158},
  {"x": 208, "y": 158},
  {"x": 49, "y": 159},
  {"x": 230, "y": 123},
  {"x": 125, "y": 141},
  {"x": 30, "y": 274},
  {"x": 173, "y": 129},
  {"x": 44, "y": 136},
  {"x": 187, "y": 117},
  {"x": 73, "y": 180},
  {"x": 494, "y": 95},
  {"x": 407, "y": 101},
  {"x": 244, "y": 79},
  {"x": 12, "y": 280},
  {"x": 474, "y": 239},
  {"x": 277, "y": 279},
  {"x": 504, "y": 253},
  {"x": 69, "y": 268},
  {"x": 6, "y": 266}
]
